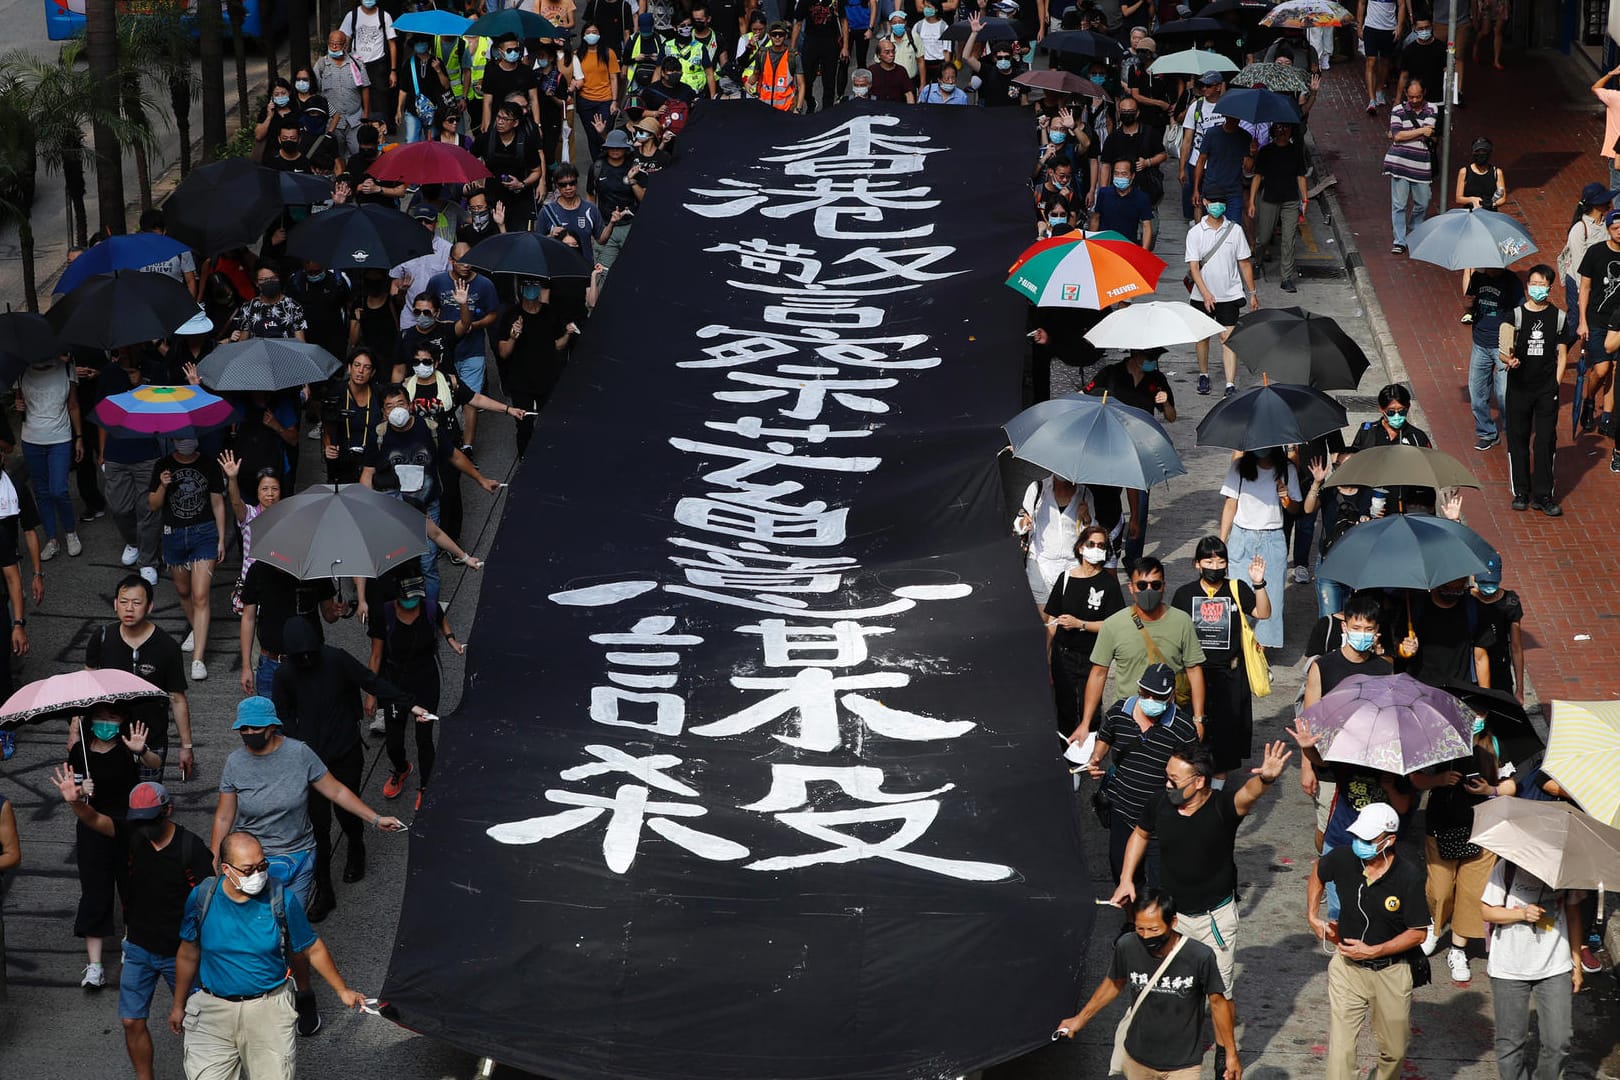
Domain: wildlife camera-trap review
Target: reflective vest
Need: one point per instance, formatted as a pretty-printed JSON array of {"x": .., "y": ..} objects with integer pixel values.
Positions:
[
  {"x": 474, "y": 54},
  {"x": 691, "y": 57},
  {"x": 645, "y": 52},
  {"x": 776, "y": 87}
]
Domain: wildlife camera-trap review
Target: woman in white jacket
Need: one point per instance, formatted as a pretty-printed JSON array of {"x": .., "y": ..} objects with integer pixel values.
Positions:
[{"x": 1049, "y": 518}]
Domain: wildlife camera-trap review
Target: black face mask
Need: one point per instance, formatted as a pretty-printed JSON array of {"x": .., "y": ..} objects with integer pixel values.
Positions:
[
  {"x": 1177, "y": 796},
  {"x": 1481, "y": 157},
  {"x": 1212, "y": 577},
  {"x": 1154, "y": 944},
  {"x": 255, "y": 740},
  {"x": 305, "y": 659},
  {"x": 147, "y": 830}
]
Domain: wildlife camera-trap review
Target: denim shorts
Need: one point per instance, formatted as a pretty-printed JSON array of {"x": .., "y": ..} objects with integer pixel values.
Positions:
[
  {"x": 137, "y": 981},
  {"x": 296, "y": 872},
  {"x": 471, "y": 373},
  {"x": 187, "y": 544}
]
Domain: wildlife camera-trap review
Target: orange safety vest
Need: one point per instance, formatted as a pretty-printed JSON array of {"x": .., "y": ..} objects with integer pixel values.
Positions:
[{"x": 776, "y": 87}]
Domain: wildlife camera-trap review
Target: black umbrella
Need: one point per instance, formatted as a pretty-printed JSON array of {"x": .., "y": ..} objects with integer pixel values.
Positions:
[
  {"x": 1274, "y": 414},
  {"x": 303, "y": 189},
  {"x": 1256, "y": 8},
  {"x": 1083, "y": 43},
  {"x": 224, "y": 205},
  {"x": 122, "y": 308},
  {"x": 527, "y": 254},
  {"x": 347, "y": 531},
  {"x": 990, "y": 30},
  {"x": 1196, "y": 26},
  {"x": 359, "y": 237},
  {"x": 1293, "y": 346},
  {"x": 24, "y": 338},
  {"x": 266, "y": 364},
  {"x": 1509, "y": 721}
]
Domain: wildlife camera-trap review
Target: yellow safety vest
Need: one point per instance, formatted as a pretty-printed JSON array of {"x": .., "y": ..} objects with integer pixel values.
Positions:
[
  {"x": 691, "y": 57},
  {"x": 474, "y": 52}
]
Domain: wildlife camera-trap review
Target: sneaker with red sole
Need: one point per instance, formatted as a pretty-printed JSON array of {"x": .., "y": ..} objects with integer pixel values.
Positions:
[{"x": 396, "y": 782}]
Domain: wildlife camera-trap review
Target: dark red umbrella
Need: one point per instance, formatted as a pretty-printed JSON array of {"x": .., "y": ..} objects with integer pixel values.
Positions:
[
  {"x": 429, "y": 163},
  {"x": 1060, "y": 82}
]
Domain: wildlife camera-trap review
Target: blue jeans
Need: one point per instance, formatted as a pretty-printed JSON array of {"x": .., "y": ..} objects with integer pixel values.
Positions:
[
  {"x": 1401, "y": 192},
  {"x": 296, "y": 872},
  {"x": 1614, "y": 184},
  {"x": 264, "y": 674},
  {"x": 137, "y": 980},
  {"x": 1303, "y": 527},
  {"x": 1133, "y": 548},
  {"x": 49, "y": 466},
  {"x": 1272, "y": 546},
  {"x": 410, "y": 128},
  {"x": 1510, "y": 998},
  {"x": 1486, "y": 373},
  {"x": 589, "y": 110},
  {"x": 430, "y": 561},
  {"x": 1330, "y": 597}
]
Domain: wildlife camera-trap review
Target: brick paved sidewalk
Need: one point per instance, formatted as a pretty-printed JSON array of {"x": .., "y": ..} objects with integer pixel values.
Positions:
[{"x": 1547, "y": 130}]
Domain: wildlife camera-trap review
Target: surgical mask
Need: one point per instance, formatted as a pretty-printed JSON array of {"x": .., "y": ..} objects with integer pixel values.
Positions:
[
  {"x": 1058, "y": 219},
  {"x": 1153, "y": 707},
  {"x": 1150, "y": 365},
  {"x": 899, "y": 29},
  {"x": 1425, "y": 35},
  {"x": 410, "y": 603},
  {"x": 1094, "y": 555},
  {"x": 513, "y": 55},
  {"x": 1360, "y": 640},
  {"x": 1056, "y": 138},
  {"x": 1396, "y": 420},
  {"x": 399, "y": 416},
  {"x": 1122, "y": 183},
  {"x": 542, "y": 63},
  {"x": 270, "y": 287},
  {"x": 592, "y": 39},
  {"x": 1364, "y": 849},
  {"x": 530, "y": 292},
  {"x": 1479, "y": 725},
  {"x": 279, "y": 100},
  {"x": 253, "y": 884},
  {"x": 1212, "y": 575},
  {"x": 1150, "y": 599},
  {"x": 860, "y": 91},
  {"x": 1216, "y": 209},
  {"x": 105, "y": 730},
  {"x": 1153, "y": 944},
  {"x": 1538, "y": 293},
  {"x": 929, "y": 13},
  {"x": 1004, "y": 64},
  {"x": 302, "y": 86},
  {"x": 1489, "y": 588},
  {"x": 319, "y": 275},
  {"x": 1099, "y": 79},
  {"x": 421, "y": 47},
  {"x": 421, "y": 371},
  {"x": 255, "y": 740},
  {"x": 336, "y": 54},
  {"x": 425, "y": 320},
  {"x": 369, "y": 3}
]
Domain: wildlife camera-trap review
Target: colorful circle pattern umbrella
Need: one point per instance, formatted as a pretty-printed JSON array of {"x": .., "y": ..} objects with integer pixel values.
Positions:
[
  {"x": 174, "y": 411},
  {"x": 1084, "y": 272}
]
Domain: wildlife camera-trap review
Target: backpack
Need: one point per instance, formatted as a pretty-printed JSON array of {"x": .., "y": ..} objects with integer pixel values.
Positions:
[
  {"x": 645, "y": 62},
  {"x": 278, "y": 908},
  {"x": 1518, "y": 311}
]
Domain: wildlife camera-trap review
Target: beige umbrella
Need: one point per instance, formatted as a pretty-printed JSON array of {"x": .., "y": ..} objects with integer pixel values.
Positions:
[
  {"x": 1555, "y": 841},
  {"x": 1396, "y": 466}
]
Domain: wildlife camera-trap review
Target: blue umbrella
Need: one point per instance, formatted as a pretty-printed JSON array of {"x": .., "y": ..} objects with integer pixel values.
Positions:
[
  {"x": 1095, "y": 440},
  {"x": 1405, "y": 551},
  {"x": 525, "y": 24},
  {"x": 435, "y": 22},
  {"x": 1258, "y": 107},
  {"x": 1465, "y": 239},
  {"x": 119, "y": 253}
]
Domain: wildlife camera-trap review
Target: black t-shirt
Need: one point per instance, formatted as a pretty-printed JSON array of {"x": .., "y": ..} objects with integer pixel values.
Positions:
[
  {"x": 158, "y": 660},
  {"x": 1168, "y": 1031},
  {"x": 1214, "y": 620},
  {"x": 159, "y": 883},
  {"x": 1279, "y": 168},
  {"x": 1602, "y": 265},
  {"x": 1379, "y": 911},
  {"x": 1089, "y": 599},
  {"x": 115, "y": 772},
  {"x": 1117, "y": 382},
  {"x": 1425, "y": 62},
  {"x": 535, "y": 364},
  {"x": 516, "y": 159},
  {"x": 419, "y": 447},
  {"x": 498, "y": 82},
  {"x": 610, "y": 184},
  {"x": 441, "y": 339},
  {"x": 1502, "y": 614},
  {"x": 996, "y": 87},
  {"x": 1447, "y": 637},
  {"x": 279, "y": 596},
  {"x": 1332, "y": 668},
  {"x": 1535, "y": 344},
  {"x": 1496, "y": 293},
  {"x": 820, "y": 19},
  {"x": 188, "y": 501},
  {"x": 1195, "y": 851},
  {"x": 1121, "y": 145}
]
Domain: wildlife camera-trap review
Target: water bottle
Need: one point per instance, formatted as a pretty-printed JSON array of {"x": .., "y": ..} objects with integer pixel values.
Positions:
[{"x": 1379, "y": 499}]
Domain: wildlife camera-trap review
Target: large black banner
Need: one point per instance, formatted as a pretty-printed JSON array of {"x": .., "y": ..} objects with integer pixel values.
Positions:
[{"x": 756, "y": 775}]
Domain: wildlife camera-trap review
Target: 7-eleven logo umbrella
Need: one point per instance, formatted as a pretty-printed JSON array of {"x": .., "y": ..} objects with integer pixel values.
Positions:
[{"x": 1081, "y": 271}]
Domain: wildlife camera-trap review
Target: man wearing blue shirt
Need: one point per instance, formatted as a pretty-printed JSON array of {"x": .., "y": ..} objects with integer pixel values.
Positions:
[
  {"x": 468, "y": 301},
  {"x": 945, "y": 91},
  {"x": 236, "y": 956},
  {"x": 1123, "y": 207}
]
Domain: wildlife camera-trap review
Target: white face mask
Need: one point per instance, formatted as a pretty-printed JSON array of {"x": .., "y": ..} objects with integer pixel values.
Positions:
[
  {"x": 423, "y": 371},
  {"x": 1094, "y": 556},
  {"x": 254, "y": 883},
  {"x": 860, "y": 91},
  {"x": 399, "y": 416}
]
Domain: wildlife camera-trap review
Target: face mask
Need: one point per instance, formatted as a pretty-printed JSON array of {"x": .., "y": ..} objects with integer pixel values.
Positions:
[
  {"x": 1365, "y": 849},
  {"x": 1122, "y": 183},
  {"x": 1154, "y": 944},
  {"x": 336, "y": 54},
  {"x": 255, "y": 740},
  {"x": 1152, "y": 707},
  {"x": 1396, "y": 420},
  {"x": 399, "y": 416},
  {"x": 531, "y": 292},
  {"x": 1150, "y": 365},
  {"x": 1453, "y": 595},
  {"x": 270, "y": 287},
  {"x": 1099, "y": 79},
  {"x": 254, "y": 883},
  {"x": 1150, "y": 599},
  {"x": 899, "y": 29},
  {"x": 1360, "y": 640},
  {"x": 289, "y": 146},
  {"x": 421, "y": 371},
  {"x": 1216, "y": 210},
  {"x": 147, "y": 830},
  {"x": 1004, "y": 65},
  {"x": 369, "y": 3},
  {"x": 860, "y": 91},
  {"x": 542, "y": 63},
  {"x": 425, "y": 320},
  {"x": 683, "y": 32},
  {"x": 512, "y": 55},
  {"x": 1057, "y": 137},
  {"x": 421, "y": 48},
  {"x": 929, "y": 13},
  {"x": 1094, "y": 555},
  {"x": 1425, "y": 35},
  {"x": 1212, "y": 576},
  {"x": 1538, "y": 293},
  {"x": 1177, "y": 796},
  {"x": 1479, "y": 725},
  {"x": 319, "y": 275},
  {"x": 1058, "y": 219},
  {"x": 1489, "y": 588},
  {"x": 279, "y": 100},
  {"x": 592, "y": 39},
  {"x": 105, "y": 730},
  {"x": 1126, "y": 119},
  {"x": 302, "y": 86}
]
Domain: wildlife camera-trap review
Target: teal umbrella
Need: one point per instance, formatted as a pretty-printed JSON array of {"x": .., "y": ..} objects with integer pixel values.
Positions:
[
  {"x": 1404, "y": 551},
  {"x": 1192, "y": 62},
  {"x": 525, "y": 24}
]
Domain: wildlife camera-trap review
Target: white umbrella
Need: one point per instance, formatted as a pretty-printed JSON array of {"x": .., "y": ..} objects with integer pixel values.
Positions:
[
  {"x": 1556, "y": 841},
  {"x": 1157, "y": 324}
]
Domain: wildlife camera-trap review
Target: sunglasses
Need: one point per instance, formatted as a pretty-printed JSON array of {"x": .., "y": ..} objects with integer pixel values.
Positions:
[
  {"x": 568, "y": 183},
  {"x": 1394, "y": 412},
  {"x": 1147, "y": 586},
  {"x": 778, "y": 33}
]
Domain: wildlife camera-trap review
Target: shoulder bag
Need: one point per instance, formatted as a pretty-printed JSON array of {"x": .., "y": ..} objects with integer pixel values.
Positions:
[
  {"x": 1258, "y": 670},
  {"x": 1116, "y": 1063},
  {"x": 1220, "y": 241}
]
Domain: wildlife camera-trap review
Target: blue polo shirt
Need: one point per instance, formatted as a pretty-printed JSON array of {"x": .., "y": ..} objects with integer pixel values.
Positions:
[
  {"x": 241, "y": 943},
  {"x": 1123, "y": 213},
  {"x": 481, "y": 296}
]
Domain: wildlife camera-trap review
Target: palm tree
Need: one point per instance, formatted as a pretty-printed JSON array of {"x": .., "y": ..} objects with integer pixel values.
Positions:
[
  {"x": 17, "y": 152},
  {"x": 211, "y": 50},
  {"x": 101, "y": 49},
  {"x": 160, "y": 43}
]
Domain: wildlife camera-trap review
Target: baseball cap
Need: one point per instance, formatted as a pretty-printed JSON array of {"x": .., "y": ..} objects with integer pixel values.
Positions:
[
  {"x": 616, "y": 140},
  {"x": 1374, "y": 821},
  {"x": 779, "y": 25},
  {"x": 1611, "y": 217},
  {"x": 1211, "y": 78},
  {"x": 147, "y": 801},
  {"x": 423, "y": 212},
  {"x": 644, "y": 22},
  {"x": 1492, "y": 574},
  {"x": 1157, "y": 680},
  {"x": 1596, "y": 194},
  {"x": 256, "y": 712},
  {"x": 413, "y": 586}
]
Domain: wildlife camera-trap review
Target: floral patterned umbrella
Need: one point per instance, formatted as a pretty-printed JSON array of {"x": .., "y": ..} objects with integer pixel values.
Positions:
[
  {"x": 1307, "y": 13},
  {"x": 1392, "y": 723}
]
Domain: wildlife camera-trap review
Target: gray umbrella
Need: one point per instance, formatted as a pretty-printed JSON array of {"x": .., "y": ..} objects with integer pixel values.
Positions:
[
  {"x": 266, "y": 364},
  {"x": 1095, "y": 440},
  {"x": 1400, "y": 551},
  {"x": 343, "y": 531},
  {"x": 1465, "y": 239}
]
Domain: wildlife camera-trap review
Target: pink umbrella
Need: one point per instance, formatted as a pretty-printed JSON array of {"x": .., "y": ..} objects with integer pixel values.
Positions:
[
  {"x": 1392, "y": 723},
  {"x": 72, "y": 694}
]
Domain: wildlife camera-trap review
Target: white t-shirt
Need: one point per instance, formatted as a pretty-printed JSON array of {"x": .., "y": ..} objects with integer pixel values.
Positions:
[
  {"x": 369, "y": 34},
  {"x": 1221, "y": 272},
  {"x": 1258, "y": 507},
  {"x": 1201, "y": 116},
  {"x": 1527, "y": 951},
  {"x": 1381, "y": 14},
  {"x": 931, "y": 39},
  {"x": 45, "y": 393}
]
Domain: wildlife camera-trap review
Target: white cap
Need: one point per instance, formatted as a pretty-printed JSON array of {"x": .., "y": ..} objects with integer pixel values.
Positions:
[{"x": 1375, "y": 820}]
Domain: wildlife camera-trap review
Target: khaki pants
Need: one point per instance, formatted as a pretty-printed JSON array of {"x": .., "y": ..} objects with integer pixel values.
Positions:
[
  {"x": 1454, "y": 888},
  {"x": 1204, "y": 928},
  {"x": 1134, "y": 1070},
  {"x": 225, "y": 1037},
  {"x": 1353, "y": 991}
]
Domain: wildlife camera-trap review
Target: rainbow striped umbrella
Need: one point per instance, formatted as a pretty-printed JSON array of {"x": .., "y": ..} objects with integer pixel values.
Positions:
[
  {"x": 1080, "y": 271},
  {"x": 181, "y": 412}
]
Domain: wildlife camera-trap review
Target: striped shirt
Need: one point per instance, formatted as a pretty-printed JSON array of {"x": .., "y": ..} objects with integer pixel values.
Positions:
[
  {"x": 1140, "y": 756},
  {"x": 1412, "y": 159}
]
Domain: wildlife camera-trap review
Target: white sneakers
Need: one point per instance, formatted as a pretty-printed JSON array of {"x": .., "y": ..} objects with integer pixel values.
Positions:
[
  {"x": 95, "y": 977},
  {"x": 1457, "y": 961},
  {"x": 199, "y": 671},
  {"x": 190, "y": 642},
  {"x": 150, "y": 574},
  {"x": 75, "y": 548},
  {"x": 131, "y": 553},
  {"x": 48, "y": 552},
  {"x": 1431, "y": 941}
]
